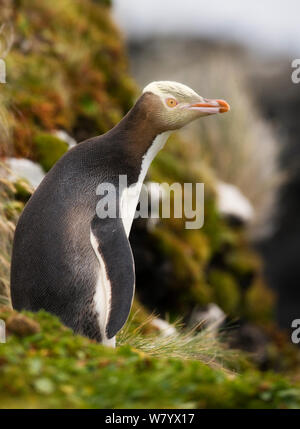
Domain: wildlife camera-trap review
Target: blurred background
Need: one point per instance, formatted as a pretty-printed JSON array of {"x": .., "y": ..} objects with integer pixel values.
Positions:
[
  {"x": 74, "y": 69},
  {"x": 243, "y": 53}
]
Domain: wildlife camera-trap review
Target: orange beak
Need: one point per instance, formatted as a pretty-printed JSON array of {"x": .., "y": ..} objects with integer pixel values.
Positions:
[{"x": 211, "y": 106}]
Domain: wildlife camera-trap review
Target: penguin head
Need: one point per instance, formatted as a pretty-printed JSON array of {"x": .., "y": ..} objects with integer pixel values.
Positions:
[{"x": 174, "y": 105}]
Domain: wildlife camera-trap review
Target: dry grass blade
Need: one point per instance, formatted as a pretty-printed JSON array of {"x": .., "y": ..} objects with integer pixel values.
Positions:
[{"x": 205, "y": 345}]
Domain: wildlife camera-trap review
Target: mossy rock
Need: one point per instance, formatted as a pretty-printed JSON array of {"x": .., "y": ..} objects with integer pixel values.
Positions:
[
  {"x": 243, "y": 261},
  {"x": 259, "y": 302},
  {"x": 226, "y": 291},
  {"x": 23, "y": 190},
  {"x": 200, "y": 246},
  {"x": 70, "y": 74},
  {"x": 13, "y": 209},
  {"x": 212, "y": 264},
  {"x": 185, "y": 267},
  {"x": 21, "y": 326},
  {"x": 49, "y": 149}
]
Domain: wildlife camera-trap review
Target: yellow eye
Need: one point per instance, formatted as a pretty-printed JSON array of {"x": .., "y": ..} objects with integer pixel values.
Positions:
[{"x": 171, "y": 102}]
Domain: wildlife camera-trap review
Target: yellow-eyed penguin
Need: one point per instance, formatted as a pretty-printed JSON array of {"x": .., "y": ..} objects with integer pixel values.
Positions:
[{"x": 68, "y": 260}]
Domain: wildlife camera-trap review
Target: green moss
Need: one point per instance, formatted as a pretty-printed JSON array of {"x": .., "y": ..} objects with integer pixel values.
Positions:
[
  {"x": 187, "y": 277},
  {"x": 68, "y": 71},
  {"x": 52, "y": 368},
  {"x": 49, "y": 149},
  {"x": 242, "y": 261},
  {"x": 23, "y": 190},
  {"x": 226, "y": 290},
  {"x": 210, "y": 264},
  {"x": 12, "y": 209},
  {"x": 214, "y": 263},
  {"x": 259, "y": 303}
]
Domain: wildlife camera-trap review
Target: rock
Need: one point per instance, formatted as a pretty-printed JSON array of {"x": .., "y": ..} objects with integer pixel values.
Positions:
[
  {"x": 233, "y": 204},
  {"x": 252, "y": 339},
  {"x": 21, "y": 325},
  {"x": 26, "y": 169},
  {"x": 165, "y": 328},
  {"x": 210, "y": 317},
  {"x": 63, "y": 135}
]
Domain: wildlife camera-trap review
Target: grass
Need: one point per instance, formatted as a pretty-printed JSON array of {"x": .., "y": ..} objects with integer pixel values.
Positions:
[
  {"x": 205, "y": 345},
  {"x": 8, "y": 217},
  {"x": 47, "y": 366},
  {"x": 12, "y": 199}
]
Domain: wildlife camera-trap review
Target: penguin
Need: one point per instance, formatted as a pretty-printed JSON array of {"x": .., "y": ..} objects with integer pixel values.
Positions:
[{"x": 68, "y": 260}]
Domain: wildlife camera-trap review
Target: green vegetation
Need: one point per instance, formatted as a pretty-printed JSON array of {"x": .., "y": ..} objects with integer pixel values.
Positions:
[
  {"x": 45, "y": 365},
  {"x": 211, "y": 264},
  {"x": 67, "y": 70},
  {"x": 49, "y": 149},
  {"x": 10, "y": 209}
]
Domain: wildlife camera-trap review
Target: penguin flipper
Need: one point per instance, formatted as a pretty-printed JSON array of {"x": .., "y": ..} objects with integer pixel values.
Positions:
[{"x": 113, "y": 250}]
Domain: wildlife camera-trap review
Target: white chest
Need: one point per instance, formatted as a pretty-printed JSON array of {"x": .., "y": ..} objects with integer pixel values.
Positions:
[{"x": 130, "y": 195}]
